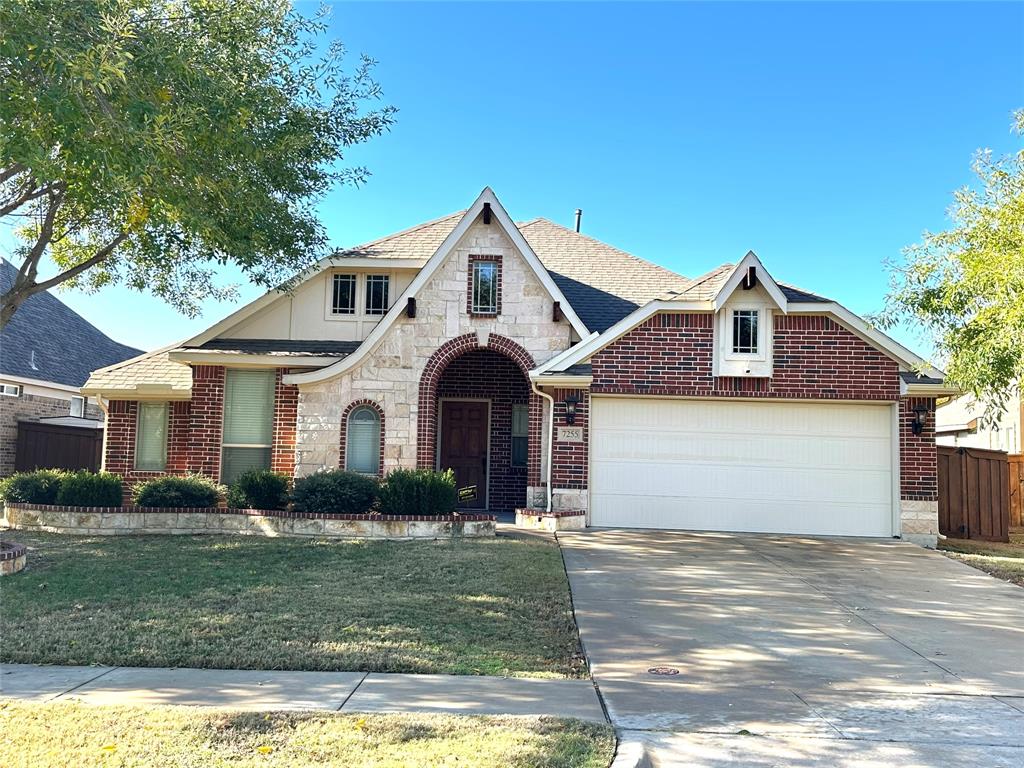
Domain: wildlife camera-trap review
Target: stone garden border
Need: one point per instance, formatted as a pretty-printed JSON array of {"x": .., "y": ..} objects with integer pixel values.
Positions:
[
  {"x": 111, "y": 521},
  {"x": 13, "y": 557},
  {"x": 540, "y": 520}
]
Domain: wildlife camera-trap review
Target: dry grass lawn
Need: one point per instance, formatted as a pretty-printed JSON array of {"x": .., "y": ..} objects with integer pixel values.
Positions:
[
  {"x": 1004, "y": 561},
  {"x": 64, "y": 734},
  {"x": 490, "y": 607}
]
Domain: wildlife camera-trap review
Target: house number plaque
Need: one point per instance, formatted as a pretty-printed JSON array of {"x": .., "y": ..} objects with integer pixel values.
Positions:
[{"x": 569, "y": 435}]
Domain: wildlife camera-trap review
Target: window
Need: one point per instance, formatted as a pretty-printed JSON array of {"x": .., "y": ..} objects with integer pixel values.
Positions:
[
  {"x": 377, "y": 294},
  {"x": 520, "y": 429},
  {"x": 362, "y": 442},
  {"x": 10, "y": 390},
  {"x": 344, "y": 295},
  {"x": 744, "y": 331},
  {"x": 78, "y": 406},
  {"x": 485, "y": 288},
  {"x": 151, "y": 437},
  {"x": 248, "y": 422}
]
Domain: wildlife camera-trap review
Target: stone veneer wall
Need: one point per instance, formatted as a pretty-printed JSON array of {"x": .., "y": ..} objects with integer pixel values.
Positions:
[
  {"x": 112, "y": 521},
  {"x": 390, "y": 374},
  {"x": 30, "y": 407}
]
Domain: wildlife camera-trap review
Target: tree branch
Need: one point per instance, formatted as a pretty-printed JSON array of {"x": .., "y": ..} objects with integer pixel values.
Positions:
[
  {"x": 11, "y": 171},
  {"x": 100, "y": 255}
]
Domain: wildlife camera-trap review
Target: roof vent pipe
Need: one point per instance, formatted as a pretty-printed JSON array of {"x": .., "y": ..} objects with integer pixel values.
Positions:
[{"x": 579, "y": 216}]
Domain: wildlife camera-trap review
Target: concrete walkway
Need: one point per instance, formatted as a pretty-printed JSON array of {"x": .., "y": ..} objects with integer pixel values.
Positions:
[
  {"x": 798, "y": 651},
  {"x": 278, "y": 690}
]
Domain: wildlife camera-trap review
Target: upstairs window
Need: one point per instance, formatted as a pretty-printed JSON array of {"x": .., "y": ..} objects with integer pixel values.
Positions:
[
  {"x": 77, "y": 406},
  {"x": 248, "y": 422},
  {"x": 484, "y": 288},
  {"x": 151, "y": 437},
  {"x": 744, "y": 331},
  {"x": 344, "y": 295},
  {"x": 362, "y": 443},
  {"x": 520, "y": 430},
  {"x": 377, "y": 294}
]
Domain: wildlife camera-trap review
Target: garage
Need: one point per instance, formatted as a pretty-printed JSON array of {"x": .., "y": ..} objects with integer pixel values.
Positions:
[{"x": 746, "y": 466}]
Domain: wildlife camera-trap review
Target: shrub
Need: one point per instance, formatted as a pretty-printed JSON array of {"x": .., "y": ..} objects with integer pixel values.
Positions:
[
  {"x": 38, "y": 487},
  {"x": 189, "y": 491},
  {"x": 335, "y": 491},
  {"x": 418, "y": 492},
  {"x": 259, "y": 489},
  {"x": 91, "y": 489}
]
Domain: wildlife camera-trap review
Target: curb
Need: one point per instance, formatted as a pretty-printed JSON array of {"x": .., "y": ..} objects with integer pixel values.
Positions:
[{"x": 630, "y": 754}]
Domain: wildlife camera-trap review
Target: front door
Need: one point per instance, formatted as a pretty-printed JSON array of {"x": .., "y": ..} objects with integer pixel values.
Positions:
[{"x": 464, "y": 446}]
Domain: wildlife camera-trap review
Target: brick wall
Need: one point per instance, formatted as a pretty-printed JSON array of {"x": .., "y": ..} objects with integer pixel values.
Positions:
[
  {"x": 29, "y": 407},
  {"x": 286, "y": 410},
  {"x": 918, "y": 472},
  {"x": 569, "y": 460},
  {"x": 207, "y": 420},
  {"x": 482, "y": 373}
]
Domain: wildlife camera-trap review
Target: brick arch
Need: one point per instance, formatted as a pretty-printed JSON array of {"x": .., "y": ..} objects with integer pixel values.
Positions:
[
  {"x": 426, "y": 421},
  {"x": 344, "y": 430}
]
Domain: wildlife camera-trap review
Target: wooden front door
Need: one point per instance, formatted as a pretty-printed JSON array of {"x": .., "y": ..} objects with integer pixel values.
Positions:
[{"x": 463, "y": 443}]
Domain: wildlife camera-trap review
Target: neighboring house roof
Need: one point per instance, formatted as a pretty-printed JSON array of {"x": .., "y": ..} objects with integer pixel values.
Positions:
[
  {"x": 912, "y": 377},
  {"x": 48, "y": 341}
]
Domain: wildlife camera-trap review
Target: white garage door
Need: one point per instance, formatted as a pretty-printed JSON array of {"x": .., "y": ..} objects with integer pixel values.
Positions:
[{"x": 770, "y": 467}]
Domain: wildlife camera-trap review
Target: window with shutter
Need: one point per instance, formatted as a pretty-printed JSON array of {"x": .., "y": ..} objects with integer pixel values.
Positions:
[
  {"x": 362, "y": 442},
  {"x": 151, "y": 437},
  {"x": 248, "y": 422}
]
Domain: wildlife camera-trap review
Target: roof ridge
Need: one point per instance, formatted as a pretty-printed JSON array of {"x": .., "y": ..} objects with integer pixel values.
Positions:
[
  {"x": 143, "y": 356},
  {"x": 604, "y": 244},
  {"x": 708, "y": 275},
  {"x": 402, "y": 232}
]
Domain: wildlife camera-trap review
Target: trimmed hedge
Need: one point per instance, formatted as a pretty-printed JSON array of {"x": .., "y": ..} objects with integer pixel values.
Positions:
[
  {"x": 335, "y": 491},
  {"x": 38, "y": 487},
  {"x": 91, "y": 489},
  {"x": 418, "y": 492},
  {"x": 194, "y": 491},
  {"x": 259, "y": 489}
]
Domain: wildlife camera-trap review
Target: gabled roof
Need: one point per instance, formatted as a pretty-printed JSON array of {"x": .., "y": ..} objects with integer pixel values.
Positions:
[
  {"x": 48, "y": 341},
  {"x": 152, "y": 374},
  {"x": 417, "y": 242},
  {"x": 707, "y": 287}
]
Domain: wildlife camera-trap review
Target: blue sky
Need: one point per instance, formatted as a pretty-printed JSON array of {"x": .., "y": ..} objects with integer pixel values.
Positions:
[{"x": 823, "y": 136}]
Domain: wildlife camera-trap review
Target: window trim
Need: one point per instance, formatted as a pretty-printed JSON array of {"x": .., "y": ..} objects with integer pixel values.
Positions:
[
  {"x": 224, "y": 418},
  {"x": 375, "y": 277},
  {"x": 755, "y": 353},
  {"x": 471, "y": 307},
  {"x": 346, "y": 452},
  {"x": 4, "y": 390},
  {"x": 353, "y": 279},
  {"x": 166, "y": 406},
  {"x": 78, "y": 399}
]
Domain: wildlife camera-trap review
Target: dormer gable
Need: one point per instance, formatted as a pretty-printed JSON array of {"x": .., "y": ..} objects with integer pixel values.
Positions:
[{"x": 744, "y": 307}]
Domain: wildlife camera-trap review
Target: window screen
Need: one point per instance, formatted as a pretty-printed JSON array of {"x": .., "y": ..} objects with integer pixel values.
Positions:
[
  {"x": 744, "y": 331},
  {"x": 151, "y": 437},
  {"x": 362, "y": 444},
  {"x": 248, "y": 422}
]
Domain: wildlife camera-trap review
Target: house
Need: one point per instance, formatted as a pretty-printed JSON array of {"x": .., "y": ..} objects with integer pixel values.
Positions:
[
  {"x": 551, "y": 370},
  {"x": 960, "y": 422},
  {"x": 47, "y": 352}
]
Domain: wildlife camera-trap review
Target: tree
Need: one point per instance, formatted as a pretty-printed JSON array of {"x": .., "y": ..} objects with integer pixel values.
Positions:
[
  {"x": 148, "y": 142},
  {"x": 966, "y": 285}
]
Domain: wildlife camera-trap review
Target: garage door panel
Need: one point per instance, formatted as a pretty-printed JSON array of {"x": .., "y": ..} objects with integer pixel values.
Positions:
[{"x": 765, "y": 466}]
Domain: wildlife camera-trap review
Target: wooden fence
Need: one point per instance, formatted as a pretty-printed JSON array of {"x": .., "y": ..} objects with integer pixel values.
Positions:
[
  {"x": 1016, "y": 467},
  {"x": 57, "y": 446},
  {"x": 974, "y": 493}
]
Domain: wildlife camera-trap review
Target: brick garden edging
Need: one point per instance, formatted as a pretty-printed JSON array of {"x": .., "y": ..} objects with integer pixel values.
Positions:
[
  {"x": 12, "y": 557},
  {"x": 562, "y": 520},
  {"x": 110, "y": 521}
]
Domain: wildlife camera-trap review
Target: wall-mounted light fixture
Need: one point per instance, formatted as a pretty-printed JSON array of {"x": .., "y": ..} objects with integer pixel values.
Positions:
[
  {"x": 571, "y": 401},
  {"x": 920, "y": 414}
]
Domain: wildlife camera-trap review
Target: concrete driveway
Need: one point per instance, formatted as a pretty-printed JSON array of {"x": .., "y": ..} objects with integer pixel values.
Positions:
[{"x": 799, "y": 651}]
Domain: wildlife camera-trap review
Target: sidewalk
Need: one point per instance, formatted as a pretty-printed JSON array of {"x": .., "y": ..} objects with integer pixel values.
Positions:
[{"x": 277, "y": 690}]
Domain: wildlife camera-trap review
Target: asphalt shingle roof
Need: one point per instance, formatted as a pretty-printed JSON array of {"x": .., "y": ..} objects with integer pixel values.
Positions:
[
  {"x": 283, "y": 346},
  {"x": 153, "y": 370},
  {"x": 48, "y": 341}
]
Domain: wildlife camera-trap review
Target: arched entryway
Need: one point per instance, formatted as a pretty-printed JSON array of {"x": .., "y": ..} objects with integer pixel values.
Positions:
[{"x": 477, "y": 415}]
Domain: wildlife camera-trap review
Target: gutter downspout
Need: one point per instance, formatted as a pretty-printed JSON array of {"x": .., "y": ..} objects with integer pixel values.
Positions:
[
  {"x": 106, "y": 430},
  {"x": 551, "y": 439}
]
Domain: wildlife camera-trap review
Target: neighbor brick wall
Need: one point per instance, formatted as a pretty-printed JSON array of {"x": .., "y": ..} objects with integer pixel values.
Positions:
[
  {"x": 30, "y": 407},
  {"x": 918, "y": 469}
]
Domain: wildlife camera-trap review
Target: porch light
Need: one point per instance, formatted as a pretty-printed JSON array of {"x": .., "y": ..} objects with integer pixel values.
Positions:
[
  {"x": 917, "y": 425},
  {"x": 571, "y": 401}
]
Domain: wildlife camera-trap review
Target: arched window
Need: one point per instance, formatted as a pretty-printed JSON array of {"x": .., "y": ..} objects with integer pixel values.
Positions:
[{"x": 362, "y": 443}]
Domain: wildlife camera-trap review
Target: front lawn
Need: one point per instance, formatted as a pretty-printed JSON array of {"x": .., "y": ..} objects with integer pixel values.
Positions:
[
  {"x": 64, "y": 734},
  {"x": 1004, "y": 561},
  {"x": 490, "y": 607}
]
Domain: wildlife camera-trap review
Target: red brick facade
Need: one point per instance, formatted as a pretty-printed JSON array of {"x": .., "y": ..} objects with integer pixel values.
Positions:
[
  {"x": 569, "y": 460},
  {"x": 344, "y": 431},
  {"x": 918, "y": 470},
  {"x": 286, "y": 412}
]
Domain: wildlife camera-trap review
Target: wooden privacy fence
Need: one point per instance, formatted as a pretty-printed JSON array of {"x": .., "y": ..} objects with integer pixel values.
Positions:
[
  {"x": 1016, "y": 466},
  {"x": 57, "y": 446},
  {"x": 974, "y": 493}
]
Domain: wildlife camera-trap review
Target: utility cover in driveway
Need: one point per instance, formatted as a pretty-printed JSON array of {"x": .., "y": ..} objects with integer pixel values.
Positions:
[{"x": 771, "y": 467}]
